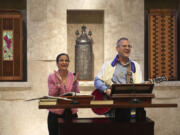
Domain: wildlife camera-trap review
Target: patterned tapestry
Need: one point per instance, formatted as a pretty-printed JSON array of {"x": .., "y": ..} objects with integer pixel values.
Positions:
[{"x": 162, "y": 44}]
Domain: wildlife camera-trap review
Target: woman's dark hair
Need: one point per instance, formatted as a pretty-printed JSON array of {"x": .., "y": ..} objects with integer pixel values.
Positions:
[{"x": 61, "y": 54}]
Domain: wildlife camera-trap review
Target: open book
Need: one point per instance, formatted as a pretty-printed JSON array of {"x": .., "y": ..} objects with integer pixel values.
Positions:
[{"x": 49, "y": 97}]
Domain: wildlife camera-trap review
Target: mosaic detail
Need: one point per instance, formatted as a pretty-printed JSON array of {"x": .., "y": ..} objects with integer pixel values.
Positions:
[
  {"x": 171, "y": 48},
  {"x": 155, "y": 46},
  {"x": 8, "y": 45}
]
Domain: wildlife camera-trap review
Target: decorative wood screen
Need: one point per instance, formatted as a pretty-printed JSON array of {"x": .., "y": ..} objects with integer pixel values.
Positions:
[
  {"x": 11, "y": 46},
  {"x": 162, "y": 44}
]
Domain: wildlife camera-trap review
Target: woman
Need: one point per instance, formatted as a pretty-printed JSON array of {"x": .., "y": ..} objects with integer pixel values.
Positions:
[{"x": 60, "y": 82}]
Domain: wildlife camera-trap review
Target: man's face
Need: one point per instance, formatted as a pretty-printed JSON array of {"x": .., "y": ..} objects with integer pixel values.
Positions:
[{"x": 124, "y": 49}]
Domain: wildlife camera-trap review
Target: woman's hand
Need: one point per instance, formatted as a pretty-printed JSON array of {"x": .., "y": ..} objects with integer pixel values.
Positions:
[
  {"x": 58, "y": 77},
  {"x": 76, "y": 77}
]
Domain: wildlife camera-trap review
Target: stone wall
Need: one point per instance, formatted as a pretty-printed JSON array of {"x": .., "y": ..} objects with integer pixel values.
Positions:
[{"x": 47, "y": 37}]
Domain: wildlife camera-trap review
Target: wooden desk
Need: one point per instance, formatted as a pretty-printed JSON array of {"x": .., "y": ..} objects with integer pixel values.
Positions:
[
  {"x": 104, "y": 126},
  {"x": 84, "y": 102},
  {"x": 123, "y": 105}
]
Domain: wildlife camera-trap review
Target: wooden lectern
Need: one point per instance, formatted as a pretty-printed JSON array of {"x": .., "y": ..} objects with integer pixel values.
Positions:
[{"x": 105, "y": 126}]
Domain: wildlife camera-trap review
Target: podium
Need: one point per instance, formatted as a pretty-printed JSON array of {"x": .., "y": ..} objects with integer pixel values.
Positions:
[
  {"x": 142, "y": 125},
  {"x": 105, "y": 126}
]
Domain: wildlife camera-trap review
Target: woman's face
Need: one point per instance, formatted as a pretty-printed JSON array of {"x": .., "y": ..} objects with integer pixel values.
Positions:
[{"x": 63, "y": 62}]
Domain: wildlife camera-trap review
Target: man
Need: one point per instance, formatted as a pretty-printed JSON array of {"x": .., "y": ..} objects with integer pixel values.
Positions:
[{"x": 121, "y": 70}]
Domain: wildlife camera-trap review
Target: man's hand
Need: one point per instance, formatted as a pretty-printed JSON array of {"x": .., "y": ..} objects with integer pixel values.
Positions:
[
  {"x": 147, "y": 82},
  {"x": 108, "y": 92}
]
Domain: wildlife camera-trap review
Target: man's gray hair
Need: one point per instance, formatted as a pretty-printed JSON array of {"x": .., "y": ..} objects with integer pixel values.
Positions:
[{"x": 118, "y": 42}]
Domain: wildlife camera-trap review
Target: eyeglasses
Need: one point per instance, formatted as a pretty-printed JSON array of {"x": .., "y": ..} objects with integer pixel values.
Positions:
[
  {"x": 66, "y": 61},
  {"x": 125, "y": 46}
]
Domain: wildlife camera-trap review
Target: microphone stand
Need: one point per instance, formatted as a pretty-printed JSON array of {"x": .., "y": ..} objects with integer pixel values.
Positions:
[{"x": 74, "y": 101}]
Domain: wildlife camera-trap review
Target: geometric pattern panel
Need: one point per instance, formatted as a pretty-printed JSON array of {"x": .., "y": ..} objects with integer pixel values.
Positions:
[
  {"x": 162, "y": 44},
  {"x": 7, "y": 45}
]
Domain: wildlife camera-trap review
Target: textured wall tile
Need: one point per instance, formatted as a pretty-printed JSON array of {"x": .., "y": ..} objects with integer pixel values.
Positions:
[{"x": 38, "y": 10}]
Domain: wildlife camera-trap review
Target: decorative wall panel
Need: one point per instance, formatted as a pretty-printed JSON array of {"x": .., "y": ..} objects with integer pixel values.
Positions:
[
  {"x": 162, "y": 44},
  {"x": 11, "y": 61}
]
